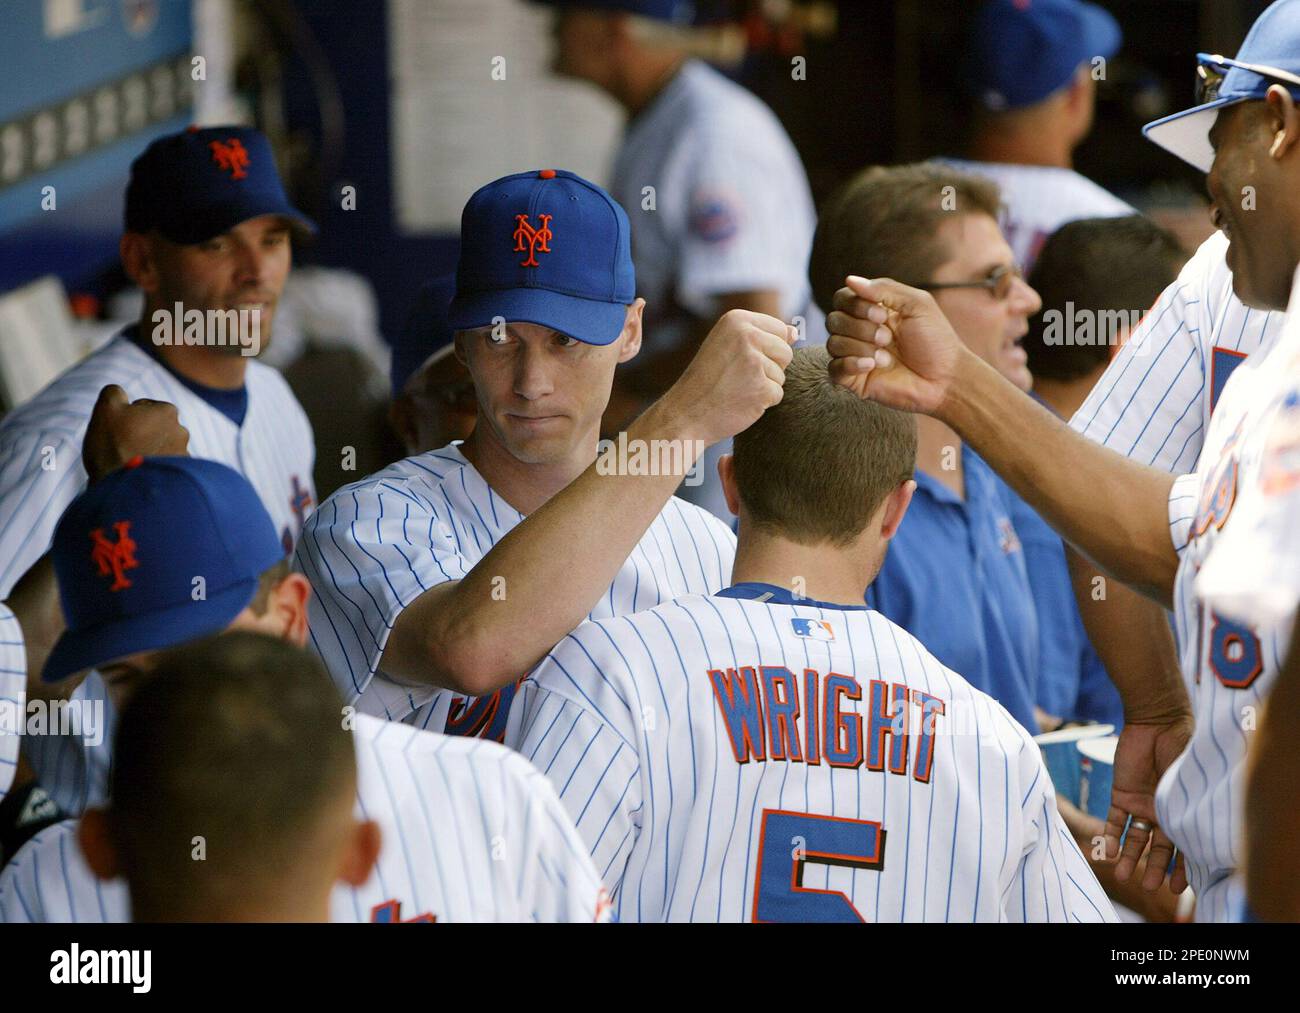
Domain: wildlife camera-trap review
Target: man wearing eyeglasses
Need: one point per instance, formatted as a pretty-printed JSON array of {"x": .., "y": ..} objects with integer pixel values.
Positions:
[
  {"x": 1142, "y": 525},
  {"x": 955, "y": 576}
]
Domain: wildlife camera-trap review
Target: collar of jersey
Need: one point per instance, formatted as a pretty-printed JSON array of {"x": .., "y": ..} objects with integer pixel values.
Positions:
[
  {"x": 773, "y": 595},
  {"x": 233, "y": 404}
]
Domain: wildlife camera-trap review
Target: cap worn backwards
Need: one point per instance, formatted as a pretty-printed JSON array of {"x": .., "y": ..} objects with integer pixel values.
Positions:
[{"x": 1022, "y": 51}]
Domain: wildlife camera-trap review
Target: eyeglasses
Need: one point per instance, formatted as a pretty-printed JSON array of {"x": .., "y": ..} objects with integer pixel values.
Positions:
[
  {"x": 998, "y": 283},
  {"x": 1211, "y": 69}
]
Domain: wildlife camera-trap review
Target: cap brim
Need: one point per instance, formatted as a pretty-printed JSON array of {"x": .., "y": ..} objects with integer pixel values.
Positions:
[
  {"x": 1187, "y": 134},
  {"x": 591, "y": 321},
  {"x": 76, "y": 651},
  {"x": 214, "y": 221}
]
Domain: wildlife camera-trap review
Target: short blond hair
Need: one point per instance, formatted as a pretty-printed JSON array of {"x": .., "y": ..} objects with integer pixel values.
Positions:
[{"x": 817, "y": 466}]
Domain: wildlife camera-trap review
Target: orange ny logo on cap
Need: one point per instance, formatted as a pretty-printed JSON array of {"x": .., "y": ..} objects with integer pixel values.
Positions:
[
  {"x": 537, "y": 239},
  {"x": 114, "y": 557},
  {"x": 231, "y": 156}
]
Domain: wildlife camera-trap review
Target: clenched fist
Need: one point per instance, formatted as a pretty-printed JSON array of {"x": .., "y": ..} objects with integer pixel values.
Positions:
[
  {"x": 891, "y": 343},
  {"x": 738, "y": 373},
  {"x": 121, "y": 429}
]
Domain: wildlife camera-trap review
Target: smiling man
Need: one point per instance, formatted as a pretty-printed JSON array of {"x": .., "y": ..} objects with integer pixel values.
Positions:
[
  {"x": 441, "y": 580},
  {"x": 1142, "y": 525},
  {"x": 955, "y": 578},
  {"x": 207, "y": 230}
]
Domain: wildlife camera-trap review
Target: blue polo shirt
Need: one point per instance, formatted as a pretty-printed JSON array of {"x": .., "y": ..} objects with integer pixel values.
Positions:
[{"x": 955, "y": 578}]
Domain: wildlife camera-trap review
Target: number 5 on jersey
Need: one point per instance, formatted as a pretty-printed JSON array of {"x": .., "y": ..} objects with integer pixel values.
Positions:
[{"x": 788, "y": 841}]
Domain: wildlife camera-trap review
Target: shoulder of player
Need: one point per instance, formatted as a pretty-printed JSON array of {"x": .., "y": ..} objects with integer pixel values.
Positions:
[
  {"x": 416, "y": 480},
  {"x": 267, "y": 381},
  {"x": 696, "y": 518},
  {"x": 64, "y": 405},
  {"x": 459, "y": 759},
  {"x": 721, "y": 114},
  {"x": 1069, "y": 185},
  {"x": 945, "y": 682},
  {"x": 36, "y": 853}
]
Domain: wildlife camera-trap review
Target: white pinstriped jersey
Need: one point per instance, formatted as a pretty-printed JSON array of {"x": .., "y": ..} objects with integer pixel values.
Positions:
[
  {"x": 41, "y": 472},
  {"x": 373, "y": 547},
  {"x": 1253, "y": 572},
  {"x": 1154, "y": 401},
  {"x": 738, "y": 760},
  {"x": 1038, "y": 199},
  {"x": 509, "y": 854},
  {"x": 13, "y": 694},
  {"x": 1229, "y": 664}
]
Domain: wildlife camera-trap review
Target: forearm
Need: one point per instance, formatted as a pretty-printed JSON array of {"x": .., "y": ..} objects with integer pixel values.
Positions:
[
  {"x": 1113, "y": 510},
  {"x": 541, "y": 580},
  {"x": 1132, "y": 637},
  {"x": 1273, "y": 818}
]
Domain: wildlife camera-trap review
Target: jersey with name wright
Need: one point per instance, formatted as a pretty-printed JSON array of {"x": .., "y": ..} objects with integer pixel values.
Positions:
[{"x": 739, "y": 760}]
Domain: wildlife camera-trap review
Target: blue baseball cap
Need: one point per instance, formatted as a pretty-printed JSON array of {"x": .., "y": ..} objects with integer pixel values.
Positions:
[
  {"x": 1022, "y": 51},
  {"x": 202, "y": 182},
  {"x": 127, "y": 551},
  {"x": 1270, "y": 55},
  {"x": 545, "y": 247},
  {"x": 682, "y": 12},
  {"x": 427, "y": 336}
]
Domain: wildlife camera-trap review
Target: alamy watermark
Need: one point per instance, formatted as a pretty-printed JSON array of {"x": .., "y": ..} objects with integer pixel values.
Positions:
[
  {"x": 81, "y": 718},
  {"x": 652, "y": 457},
  {"x": 1072, "y": 326},
  {"x": 229, "y": 328}
]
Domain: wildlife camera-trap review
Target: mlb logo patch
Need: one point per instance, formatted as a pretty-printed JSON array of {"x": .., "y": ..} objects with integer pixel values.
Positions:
[
  {"x": 1007, "y": 538},
  {"x": 812, "y": 629}
]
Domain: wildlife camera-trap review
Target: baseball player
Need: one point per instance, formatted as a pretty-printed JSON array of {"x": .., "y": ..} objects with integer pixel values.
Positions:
[
  {"x": 1141, "y": 524},
  {"x": 1103, "y": 267},
  {"x": 722, "y": 213},
  {"x": 207, "y": 240},
  {"x": 270, "y": 782},
  {"x": 1248, "y": 577},
  {"x": 433, "y": 394},
  {"x": 1029, "y": 70},
  {"x": 117, "y": 432},
  {"x": 432, "y": 590},
  {"x": 516, "y": 857},
  {"x": 781, "y": 753}
]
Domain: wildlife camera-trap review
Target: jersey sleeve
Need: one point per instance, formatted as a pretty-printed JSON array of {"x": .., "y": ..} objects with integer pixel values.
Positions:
[
  {"x": 1183, "y": 496},
  {"x": 48, "y": 881},
  {"x": 40, "y": 474},
  {"x": 1053, "y": 882},
  {"x": 566, "y": 886},
  {"x": 566, "y": 719},
  {"x": 1149, "y": 404},
  {"x": 1252, "y": 572},
  {"x": 13, "y": 695},
  {"x": 739, "y": 232},
  {"x": 369, "y": 552}
]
